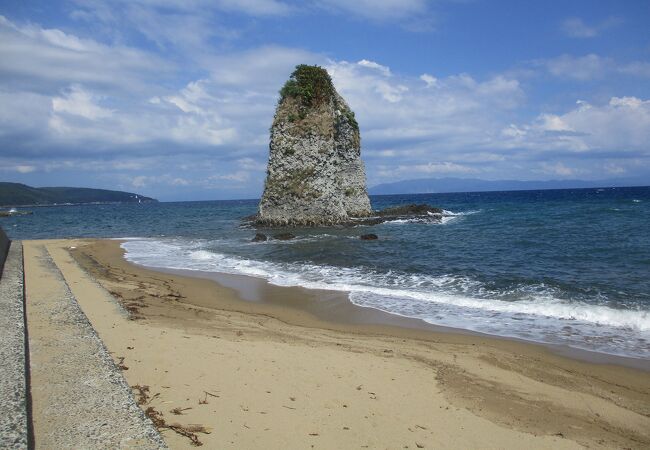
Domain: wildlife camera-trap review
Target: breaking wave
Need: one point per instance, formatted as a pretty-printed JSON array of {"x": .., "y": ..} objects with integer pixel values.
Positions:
[{"x": 534, "y": 312}]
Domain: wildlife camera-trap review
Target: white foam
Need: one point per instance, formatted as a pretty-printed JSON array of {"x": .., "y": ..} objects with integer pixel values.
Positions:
[
  {"x": 461, "y": 213},
  {"x": 444, "y": 300},
  {"x": 201, "y": 255},
  {"x": 401, "y": 221},
  {"x": 445, "y": 218}
]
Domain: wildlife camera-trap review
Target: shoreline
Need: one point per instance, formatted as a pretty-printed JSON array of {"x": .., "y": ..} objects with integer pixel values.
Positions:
[
  {"x": 183, "y": 336},
  {"x": 334, "y": 308},
  {"x": 337, "y": 309}
]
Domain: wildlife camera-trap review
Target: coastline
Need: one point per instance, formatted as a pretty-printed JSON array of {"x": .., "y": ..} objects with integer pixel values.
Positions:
[
  {"x": 333, "y": 310},
  {"x": 485, "y": 391}
]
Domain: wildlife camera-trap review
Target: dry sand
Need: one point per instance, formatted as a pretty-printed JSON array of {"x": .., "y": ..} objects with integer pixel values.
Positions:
[{"x": 272, "y": 375}]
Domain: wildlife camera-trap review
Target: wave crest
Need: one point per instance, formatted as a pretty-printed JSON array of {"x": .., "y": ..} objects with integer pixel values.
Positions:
[{"x": 529, "y": 312}]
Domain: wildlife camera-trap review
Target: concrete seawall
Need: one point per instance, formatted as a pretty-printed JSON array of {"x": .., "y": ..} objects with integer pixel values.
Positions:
[
  {"x": 53, "y": 361},
  {"x": 14, "y": 420},
  {"x": 4, "y": 248},
  {"x": 71, "y": 370}
]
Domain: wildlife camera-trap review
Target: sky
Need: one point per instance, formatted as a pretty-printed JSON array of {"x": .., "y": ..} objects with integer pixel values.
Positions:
[{"x": 174, "y": 98}]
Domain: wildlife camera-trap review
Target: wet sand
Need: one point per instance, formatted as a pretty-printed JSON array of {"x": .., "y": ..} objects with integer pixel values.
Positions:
[
  {"x": 333, "y": 308},
  {"x": 262, "y": 366}
]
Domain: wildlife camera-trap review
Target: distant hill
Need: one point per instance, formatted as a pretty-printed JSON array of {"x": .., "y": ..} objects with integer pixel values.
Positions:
[
  {"x": 438, "y": 185},
  {"x": 17, "y": 194}
]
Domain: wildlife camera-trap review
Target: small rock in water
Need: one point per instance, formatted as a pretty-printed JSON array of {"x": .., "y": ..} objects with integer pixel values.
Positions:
[
  {"x": 259, "y": 237},
  {"x": 284, "y": 236},
  {"x": 369, "y": 237}
]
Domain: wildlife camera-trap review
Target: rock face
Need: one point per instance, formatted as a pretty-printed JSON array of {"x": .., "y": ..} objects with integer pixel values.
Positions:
[{"x": 315, "y": 174}]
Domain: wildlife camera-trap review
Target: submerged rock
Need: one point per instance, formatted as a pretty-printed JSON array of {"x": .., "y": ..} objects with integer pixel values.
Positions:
[
  {"x": 369, "y": 237},
  {"x": 259, "y": 237},
  {"x": 284, "y": 236},
  {"x": 13, "y": 212},
  {"x": 413, "y": 213},
  {"x": 315, "y": 174},
  {"x": 411, "y": 210}
]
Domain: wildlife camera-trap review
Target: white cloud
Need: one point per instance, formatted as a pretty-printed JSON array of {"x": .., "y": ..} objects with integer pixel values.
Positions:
[
  {"x": 454, "y": 114},
  {"x": 112, "y": 108},
  {"x": 552, "y": 122},
  {"x": 106, "y": 10},
  {"x": 636, "y": 68},
  {"x": 78, "y": 163},
  {"x": 379, "y": 10},
  {"x": 62, "y": 81},
  {"x": 240, "y": 176},
  {"x": 577, "y": 28},
  {"x": 386, "y": 153},
  {"x": 591, "y": 67},
  {"x": 622, "y": 125},
  {"x": 144, "y": 14},
  {"x": 390, "y": 93},
  {"x": 185, "y": 25},
  {"x": 558, "y": 169},
  {"x": 430, "y": 80},
  {"x": 437, "y": 168},
  {"x": 139, "y": 181},
  {"x": 262, "y": 69},
  {"x": 580, "y": 68},
  {"x": 79, "y": 102},
  {"x": 426, "y": 169},
  {"x": 20, "y": 168},
  {"x": 373, "y": 65},
  {"x": 24, "y": 169},
  {"x": 614, "y": 169},
  {"x": 42, "y": 59},
  {"x": 256, "y": 7},
  {"x": 184, "y": 119},
  {"x": 23, "y": 117},
  {"x": 251, "y": 164},
  {"x": 228, "y": 112},
  {"x": 126, "y": 165},
  {"x": 144, "y": 181}
]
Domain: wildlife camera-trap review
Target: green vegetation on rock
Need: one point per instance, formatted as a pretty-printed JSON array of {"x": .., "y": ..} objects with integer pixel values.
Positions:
[
  {"x": 349, "y": 114},
  {"x": 311, "y": 84}
]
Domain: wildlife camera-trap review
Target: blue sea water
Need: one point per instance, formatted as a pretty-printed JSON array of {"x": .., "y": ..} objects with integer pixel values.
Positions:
[{"x": 569, "y": 267}]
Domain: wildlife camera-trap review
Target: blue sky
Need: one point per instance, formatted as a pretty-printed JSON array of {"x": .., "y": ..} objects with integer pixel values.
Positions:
[{"x": 174, "y": 98}]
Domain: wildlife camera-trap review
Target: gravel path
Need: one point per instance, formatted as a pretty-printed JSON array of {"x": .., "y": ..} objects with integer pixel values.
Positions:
[{"x": 80, "y": 399}]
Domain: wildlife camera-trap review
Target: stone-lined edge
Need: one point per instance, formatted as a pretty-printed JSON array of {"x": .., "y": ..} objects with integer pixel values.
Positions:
[
  {"x": 14, "y": 420},
  {"x": 4, "y": 248},
  {"x": 142, "y": 425}
]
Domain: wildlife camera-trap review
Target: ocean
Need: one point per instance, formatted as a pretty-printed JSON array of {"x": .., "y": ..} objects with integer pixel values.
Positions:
[{"x": 567, "y": 267}]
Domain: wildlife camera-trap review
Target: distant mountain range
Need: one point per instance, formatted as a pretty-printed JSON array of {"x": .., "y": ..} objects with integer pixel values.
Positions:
[
  {"x": 17, "y": 194},
  {"x": 439, "y": 185}
]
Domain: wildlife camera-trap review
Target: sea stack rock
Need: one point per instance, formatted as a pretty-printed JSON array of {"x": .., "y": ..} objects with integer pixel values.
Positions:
[{"x": 315, "y": 174}]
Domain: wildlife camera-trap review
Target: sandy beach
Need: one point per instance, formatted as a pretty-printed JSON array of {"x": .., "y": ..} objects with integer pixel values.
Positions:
[{"x": 235, "y": 363}]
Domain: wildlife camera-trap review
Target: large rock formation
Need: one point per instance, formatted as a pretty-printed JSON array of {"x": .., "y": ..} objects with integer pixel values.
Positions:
[{"x": 315, "y": 174}]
